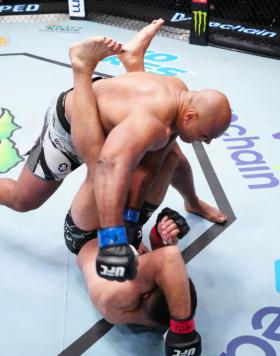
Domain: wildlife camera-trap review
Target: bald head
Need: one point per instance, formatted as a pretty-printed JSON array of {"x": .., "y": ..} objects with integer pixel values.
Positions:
[{"x": 213, "y": 107}]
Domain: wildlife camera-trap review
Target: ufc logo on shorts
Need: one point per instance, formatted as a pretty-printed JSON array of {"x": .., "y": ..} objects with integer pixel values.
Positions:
[
  {"x": 187, "y": 352},
  {"x": 113, "y": 271}
]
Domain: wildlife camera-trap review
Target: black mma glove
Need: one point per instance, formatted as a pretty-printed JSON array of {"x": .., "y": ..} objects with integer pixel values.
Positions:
[
  {"x": 178, "y": 219},
  {"x": 116, "y": 260},
  {"x": 182, "y": 339},
  {"x": 133, "y": 227},
  {"x": 134, "y": 233}
]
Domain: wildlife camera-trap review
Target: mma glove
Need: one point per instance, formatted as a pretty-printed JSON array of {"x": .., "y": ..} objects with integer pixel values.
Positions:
[
  {"x": 134, "y": 233},
  {"x": 116, "y": 260},
  {"x": 133, "y": 227},
  {"x": 178, "y": 219},
  {"x": 182, "y": 339}
]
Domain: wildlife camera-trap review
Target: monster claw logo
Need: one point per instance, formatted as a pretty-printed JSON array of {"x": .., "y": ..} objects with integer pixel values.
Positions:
[
  {"x": 200, "y": 21},
  {"x": 9, "y": 154}
]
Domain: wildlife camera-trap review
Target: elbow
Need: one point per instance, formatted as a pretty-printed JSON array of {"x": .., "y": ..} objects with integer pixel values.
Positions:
[
  {"x": 106, "y": 165},
  {"x": 110, "y": 164}
]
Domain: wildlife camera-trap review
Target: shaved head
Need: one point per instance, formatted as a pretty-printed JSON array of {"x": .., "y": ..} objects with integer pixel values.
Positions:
[{"x": 212, "y": 106}]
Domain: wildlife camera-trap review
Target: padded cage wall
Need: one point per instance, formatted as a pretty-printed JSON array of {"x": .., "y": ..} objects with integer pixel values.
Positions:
[
  {"x": 249, "y": 25},
  {"x": 132, "y": 13}
]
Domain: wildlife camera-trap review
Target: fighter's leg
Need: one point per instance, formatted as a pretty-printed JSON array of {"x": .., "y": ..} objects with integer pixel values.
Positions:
[
  {"x": 85, "y": 123},
  {"x": 27, "y": 193},
  {"x": 133, "y": 57},
  {"x": 86, "y": 129}
]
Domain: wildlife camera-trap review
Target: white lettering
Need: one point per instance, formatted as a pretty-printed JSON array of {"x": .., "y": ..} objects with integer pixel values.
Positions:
[
  {"x": 4, "y": 8},
  {"x": 226, "y": 27},
  {"x": 113, "y": 271},
  {"x": 250, "y": 30},
  {"x": 214, "y": 24},
  {"x": 239, "y": 28},
  {"x": 187, "y": 352},
  {"x": 32, "y": 7},
  {"x": 178, "y": 17},
  {"x": 18, "y": 8}
]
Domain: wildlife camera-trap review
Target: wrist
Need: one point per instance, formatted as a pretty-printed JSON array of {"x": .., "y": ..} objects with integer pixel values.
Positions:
[
  {"x": 156, "y": 233},
  {"x": 182, "y": 326},
  {"x": 112, "y": 236},
  {"x": 131, "y": 215}
]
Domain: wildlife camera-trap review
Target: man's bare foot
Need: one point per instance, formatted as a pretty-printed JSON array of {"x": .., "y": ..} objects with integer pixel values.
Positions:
[
  {"x": 206, "y": 211},
  {"x": 133, "y": 57},
  {"x": 86, "y": 54}
]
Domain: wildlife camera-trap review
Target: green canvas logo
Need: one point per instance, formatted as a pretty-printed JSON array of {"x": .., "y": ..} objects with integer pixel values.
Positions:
[
  {"x": 9, "y": 154},
  {"x": 200, "y": 21}
]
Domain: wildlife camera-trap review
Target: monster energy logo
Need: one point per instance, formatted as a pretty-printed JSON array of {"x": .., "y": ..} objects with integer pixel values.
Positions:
[
  {"x": 200, "y": 20},
  {"x": 9, "y": 154}
]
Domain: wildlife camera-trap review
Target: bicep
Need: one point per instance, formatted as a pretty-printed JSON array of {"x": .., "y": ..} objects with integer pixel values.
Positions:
[{"x": 131, "y": 139}]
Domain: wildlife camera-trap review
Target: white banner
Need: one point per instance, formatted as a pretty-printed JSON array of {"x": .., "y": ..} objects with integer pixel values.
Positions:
[{"x": 77, "y": 8}]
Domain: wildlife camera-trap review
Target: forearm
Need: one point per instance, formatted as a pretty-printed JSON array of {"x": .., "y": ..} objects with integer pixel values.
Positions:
[
  {"x": 171, "y": 276},
  {"x": 111, "y": 188}
]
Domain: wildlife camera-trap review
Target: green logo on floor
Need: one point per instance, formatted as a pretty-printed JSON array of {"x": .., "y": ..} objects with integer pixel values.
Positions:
[{"x": 9, "y": 154}]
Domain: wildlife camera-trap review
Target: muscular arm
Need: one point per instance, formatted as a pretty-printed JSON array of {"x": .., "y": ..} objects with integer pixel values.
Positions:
[
  {"x": 124, "y": 148},
  {"x": 182, "y": 179}
]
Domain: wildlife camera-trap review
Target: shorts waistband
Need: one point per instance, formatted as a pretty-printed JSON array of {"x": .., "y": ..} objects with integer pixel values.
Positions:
[{"x": 60, "y": 108}]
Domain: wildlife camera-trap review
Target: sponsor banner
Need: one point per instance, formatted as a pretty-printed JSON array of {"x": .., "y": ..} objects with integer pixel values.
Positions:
[
  {"x": 265, "y": 336},
  {"x": 57, "y": 28},
  {"x": 77, "y": 9},
  {"x": 199, "y": 26},
  {"x": 156, "y": 62},
  {"x": 19, "y": 8},
  {"x": 34, "y": 8},
  {"x": 247, "y": 158},
  {"x": 223, "y": 25}
]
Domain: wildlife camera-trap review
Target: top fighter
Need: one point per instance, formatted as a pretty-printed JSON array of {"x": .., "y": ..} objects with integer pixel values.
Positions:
[
  {"x": 136, "y": 126},
  {"x": 139, "y": 117}
]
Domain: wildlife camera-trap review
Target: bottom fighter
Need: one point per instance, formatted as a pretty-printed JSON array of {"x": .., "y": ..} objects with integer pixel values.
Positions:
[{"x": 161, "y": 295}]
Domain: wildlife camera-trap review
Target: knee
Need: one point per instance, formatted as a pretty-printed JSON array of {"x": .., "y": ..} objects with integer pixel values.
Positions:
[
  {"x": 22, "y": 205},
  {"x": 171, "y": 254}
]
